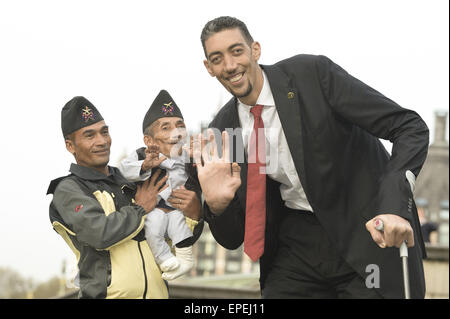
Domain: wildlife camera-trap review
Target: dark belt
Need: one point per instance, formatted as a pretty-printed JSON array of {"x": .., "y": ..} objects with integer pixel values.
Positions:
[
  {"x": 299, "y": 214},
  {"x": 297, "y": 211}
]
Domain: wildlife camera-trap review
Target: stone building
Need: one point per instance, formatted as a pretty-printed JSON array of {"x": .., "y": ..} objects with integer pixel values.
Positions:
[
  {"x": 213, "y": 259},
  {"x": 432, "y": 184}
]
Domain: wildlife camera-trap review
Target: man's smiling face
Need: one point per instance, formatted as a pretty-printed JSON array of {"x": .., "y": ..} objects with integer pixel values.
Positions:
[
  {"x": 166, "y": 133},
  {"x": 234, "y": 63},
  {"x": 91, "y": 145}
]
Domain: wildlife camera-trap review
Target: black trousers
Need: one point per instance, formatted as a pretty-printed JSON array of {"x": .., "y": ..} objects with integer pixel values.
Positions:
[{"x": 307, "y": 265}]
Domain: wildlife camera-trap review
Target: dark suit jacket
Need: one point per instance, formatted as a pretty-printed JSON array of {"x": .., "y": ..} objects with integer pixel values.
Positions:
[{"x": 331, "y": 122}]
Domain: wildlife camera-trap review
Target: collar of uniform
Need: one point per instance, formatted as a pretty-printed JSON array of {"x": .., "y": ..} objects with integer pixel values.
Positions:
[
  {"x": 90, "y": 173},
  {"x": 265, "y": 96}
]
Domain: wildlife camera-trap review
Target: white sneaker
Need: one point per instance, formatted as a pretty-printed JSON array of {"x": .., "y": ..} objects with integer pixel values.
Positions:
[
  {"x": 170, "y": 264},
  {"x": 186, "y": 259}
]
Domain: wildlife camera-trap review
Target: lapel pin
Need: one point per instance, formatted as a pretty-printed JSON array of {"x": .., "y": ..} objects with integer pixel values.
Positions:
[{"x": 290, "y": 95}]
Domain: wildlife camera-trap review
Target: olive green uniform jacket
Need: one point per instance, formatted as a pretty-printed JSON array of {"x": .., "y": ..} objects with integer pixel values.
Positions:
[{"x": 97, "y": 217}]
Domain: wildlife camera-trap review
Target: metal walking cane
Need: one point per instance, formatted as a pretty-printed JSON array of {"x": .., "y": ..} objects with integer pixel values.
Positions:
[
  {"x": 403, "y": 248},
  {"x": 404, "y": 256}
]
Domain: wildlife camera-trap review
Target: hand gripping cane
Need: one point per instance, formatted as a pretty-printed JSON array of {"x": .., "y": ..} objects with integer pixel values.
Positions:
[
  {"x": 403, "y": 248},
  {"x": 403, "y": 255}
]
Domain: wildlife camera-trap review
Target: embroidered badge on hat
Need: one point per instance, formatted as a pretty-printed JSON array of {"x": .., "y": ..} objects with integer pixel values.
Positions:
[
  {"x": 167, "y": 108},
  {"x": 78, "y": 208},
  {"x": 79, "y": 112},
  {"x": 163, "y": 106},
  {"x": 87, "y": 114}
]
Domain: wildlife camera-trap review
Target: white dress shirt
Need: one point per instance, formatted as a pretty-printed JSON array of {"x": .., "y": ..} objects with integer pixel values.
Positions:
[{"x": 279, "y": 163}]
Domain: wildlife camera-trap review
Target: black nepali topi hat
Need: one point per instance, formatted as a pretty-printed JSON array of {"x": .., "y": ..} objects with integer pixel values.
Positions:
[
  {"x": 78, "y": 113},
  {"x": 162, "y": 106}
]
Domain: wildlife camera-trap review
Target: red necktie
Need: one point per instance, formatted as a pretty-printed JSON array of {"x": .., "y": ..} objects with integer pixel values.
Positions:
[{"x": 255, "y": 212}]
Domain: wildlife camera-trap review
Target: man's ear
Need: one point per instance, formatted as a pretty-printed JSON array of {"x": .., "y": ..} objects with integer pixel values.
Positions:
[
  {"x": 148, "y": 140},
  {"x": 70, "y": 146},
  {"x": 208, "y": 68},
  {"x": 256, "y": 50}
]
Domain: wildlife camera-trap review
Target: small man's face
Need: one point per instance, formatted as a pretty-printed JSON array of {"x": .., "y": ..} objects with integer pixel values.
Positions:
[
  {"x": 233, "y": 62},
  {"x": 167, "y": 133},
  {"x": 91, "y": 145}
]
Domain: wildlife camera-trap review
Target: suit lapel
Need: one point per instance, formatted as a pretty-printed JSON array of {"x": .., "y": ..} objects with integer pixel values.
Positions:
[{"x": 288, "y": 103}]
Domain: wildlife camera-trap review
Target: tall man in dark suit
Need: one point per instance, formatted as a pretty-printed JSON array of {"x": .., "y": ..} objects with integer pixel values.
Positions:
[{"x": 310, "y": 219}]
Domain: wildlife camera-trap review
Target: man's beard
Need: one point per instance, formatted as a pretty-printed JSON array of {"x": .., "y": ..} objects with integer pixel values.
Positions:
[{"x": 247, "y": 93}]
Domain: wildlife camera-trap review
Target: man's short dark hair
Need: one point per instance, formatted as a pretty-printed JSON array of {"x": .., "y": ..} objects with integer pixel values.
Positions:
[
  {"x": 224, "y": 23},
  {"x": 149, "y": 130}
]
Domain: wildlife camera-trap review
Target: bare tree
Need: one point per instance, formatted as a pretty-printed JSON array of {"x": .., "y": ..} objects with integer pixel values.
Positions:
[{"x": 13, "y": 285}]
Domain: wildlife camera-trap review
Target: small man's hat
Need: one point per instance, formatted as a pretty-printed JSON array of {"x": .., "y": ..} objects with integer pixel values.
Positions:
[
  {"x": 162, "y": 106},
  {"x": 78, "y": 113}
]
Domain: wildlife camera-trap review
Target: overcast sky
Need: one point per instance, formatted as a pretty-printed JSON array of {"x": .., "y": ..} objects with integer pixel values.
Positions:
[{"x": 120, "y": 54}]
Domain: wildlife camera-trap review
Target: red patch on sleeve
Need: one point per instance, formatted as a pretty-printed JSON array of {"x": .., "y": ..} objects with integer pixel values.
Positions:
[{"x": 78, "y": 208}]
